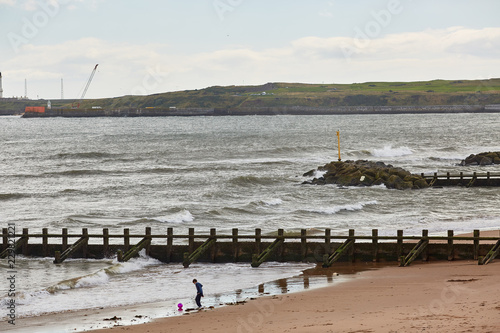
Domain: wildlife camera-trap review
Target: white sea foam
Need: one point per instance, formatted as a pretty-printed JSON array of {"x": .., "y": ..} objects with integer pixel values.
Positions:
[
  {"x": 95, "y": 279},
  {"x": 389, "y": 151},
  {"x": 133, "y": 282},
  {"x": 179, "y": 217},
  {"x": 347, "y": 207},
  {"x": 272, "y": 202},
  {"x": 135, "y": 264},
  {"x": 319, "y": 173}
]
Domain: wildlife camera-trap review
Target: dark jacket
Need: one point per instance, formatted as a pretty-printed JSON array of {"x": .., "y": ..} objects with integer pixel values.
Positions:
[{"x": 199, "y": 289}]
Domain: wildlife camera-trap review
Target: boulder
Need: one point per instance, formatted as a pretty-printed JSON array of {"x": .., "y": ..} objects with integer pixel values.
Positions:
[{"x": 487, "y": 158}]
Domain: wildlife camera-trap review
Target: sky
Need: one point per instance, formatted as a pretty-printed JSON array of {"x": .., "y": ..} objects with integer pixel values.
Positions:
[{"x": 153, "y": 46}]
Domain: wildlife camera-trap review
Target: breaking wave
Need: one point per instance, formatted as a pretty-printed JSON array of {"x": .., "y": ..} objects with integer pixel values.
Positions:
[
  {"x": 179, "y": 217},
  {"x": 389, "y": 151},
  {"x": 336, "y": 209}
]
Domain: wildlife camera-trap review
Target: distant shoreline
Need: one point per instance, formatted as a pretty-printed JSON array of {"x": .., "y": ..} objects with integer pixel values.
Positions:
[{"x": 268, "y": 111}]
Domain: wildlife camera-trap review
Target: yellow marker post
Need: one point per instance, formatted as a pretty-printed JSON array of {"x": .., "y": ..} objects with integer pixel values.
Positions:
[{"x": 338, "y": 139}]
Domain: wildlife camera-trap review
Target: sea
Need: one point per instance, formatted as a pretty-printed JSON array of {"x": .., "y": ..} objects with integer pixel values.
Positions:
[{"x": 242, "y": 172}]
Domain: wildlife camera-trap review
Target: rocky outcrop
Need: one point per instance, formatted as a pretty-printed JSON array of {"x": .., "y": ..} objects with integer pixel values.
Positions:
[
  {"x": 488, "y": 158},
  {"x": 366, "y": 173}
]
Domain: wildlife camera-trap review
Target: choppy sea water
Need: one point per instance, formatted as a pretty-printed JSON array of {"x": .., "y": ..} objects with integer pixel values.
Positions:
[{"x": 224, "y": 173}]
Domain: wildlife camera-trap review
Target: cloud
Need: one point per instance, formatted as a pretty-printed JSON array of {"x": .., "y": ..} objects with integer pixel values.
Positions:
[
  {"x": 128, "y": 68},
  {"x": 424, "y": 44}
]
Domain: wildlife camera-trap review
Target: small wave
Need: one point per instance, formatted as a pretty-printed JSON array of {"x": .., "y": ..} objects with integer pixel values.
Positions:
[
  {"x": 102, "y": 276},
  {"x": 236, "y": 211},
  {"x": 159, "y": 170},
  {"x": 179, "y": 217},
  {"x": 81, "y": 172},
  {"x": 12, "y": 196},
  {"x": 96, "y": 279},
  {"x": 337, "y": 209},
  {"x": 388, "y": 151},
  {"x": 252, "y": 180},
  {"x": 445, "y": 158},
  {"x": 85, "y": 155}
]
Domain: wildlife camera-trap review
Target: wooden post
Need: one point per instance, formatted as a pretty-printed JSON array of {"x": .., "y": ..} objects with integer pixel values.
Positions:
[
  {"x": 351, "y": 249},
  {"x": 126, "y": 239},
  {"x": 476, "y": 244},
  {"x": 303, "y": 243},
  {"x": 236, "y": 249},
  {"x": 105, "y": 241},
  {"x": 64, "y": 239},
  {"x": 261, "y": 288},
  {"x": 191, "y": 240},
  {"x": 375, "y": 244},
  {"x": 45, "y": 242},
  {"x": 148, "y": 247},
  {"x": 213, "y": 253},
  {"x": 85, "y": 233},
  {"x": 258, "y": 239},
  {"x": 338, "y": 144},
  {"x": 281, "y": 232},
  {"x": 451, "y": 250},
  {"x": 328, "y": 238},
  {"x": 170, "y": 243},
  {"x": 119, "y": 255},
  {"x": 399, "y": 246},
  {"x": 5, "y": 238},
  {"x": 57, "y": 257},
  {"x": 306, "y": 282},
  {"x": 401, "y": 261},
  {"x": 25, "y": 244},
  {"x": 425, "y": 253}
]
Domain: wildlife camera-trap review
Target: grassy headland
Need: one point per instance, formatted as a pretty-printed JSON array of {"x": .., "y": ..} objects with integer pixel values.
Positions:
[{"x": 436, "y": 92}]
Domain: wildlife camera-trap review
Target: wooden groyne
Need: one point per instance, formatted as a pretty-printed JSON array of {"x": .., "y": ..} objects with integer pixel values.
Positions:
[
  {"x": 254, "y": 248},
  {"x": 461, "y": 179}
]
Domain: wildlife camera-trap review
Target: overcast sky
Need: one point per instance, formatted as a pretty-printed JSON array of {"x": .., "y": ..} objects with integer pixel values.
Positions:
[{"x": 150, "y": 46}]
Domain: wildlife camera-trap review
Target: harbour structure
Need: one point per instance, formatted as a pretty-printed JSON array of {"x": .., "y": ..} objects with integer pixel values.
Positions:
[{"x": 1, "y": 89}]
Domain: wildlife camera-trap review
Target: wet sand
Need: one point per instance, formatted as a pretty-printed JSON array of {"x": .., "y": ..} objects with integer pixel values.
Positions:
[{"x": 459, "y": 296}]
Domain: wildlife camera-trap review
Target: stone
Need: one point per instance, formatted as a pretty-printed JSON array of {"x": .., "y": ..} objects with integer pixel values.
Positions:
[
  {"x": 486, "y": 158},
  {"x": 485, "y": 161}
]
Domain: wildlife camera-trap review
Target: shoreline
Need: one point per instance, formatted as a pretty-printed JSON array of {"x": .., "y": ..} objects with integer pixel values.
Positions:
[
  {"x": 89, "y": 320},
  {"x": 137, "y": 315},
  {"x": 434, "y": 297}
]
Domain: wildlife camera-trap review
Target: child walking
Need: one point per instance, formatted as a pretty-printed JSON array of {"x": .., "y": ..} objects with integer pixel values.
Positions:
[{"x": 199, "y": 292}]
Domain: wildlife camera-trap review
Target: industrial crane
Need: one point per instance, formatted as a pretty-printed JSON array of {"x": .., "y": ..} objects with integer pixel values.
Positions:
[{"x": 77, "y": 105}]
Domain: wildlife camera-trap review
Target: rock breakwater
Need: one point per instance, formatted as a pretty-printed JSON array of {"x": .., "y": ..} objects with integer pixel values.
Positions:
[{"x": 366, "y": 173}]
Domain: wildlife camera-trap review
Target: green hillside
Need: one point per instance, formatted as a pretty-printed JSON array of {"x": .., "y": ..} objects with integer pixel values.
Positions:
[{"x": 436, "y": 92}]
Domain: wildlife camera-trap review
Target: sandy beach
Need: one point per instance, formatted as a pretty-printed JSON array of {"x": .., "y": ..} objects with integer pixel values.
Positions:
[
  {"x": 425, "y": 297},
  {"x": 443, "y": 296}
]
